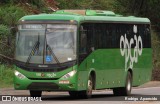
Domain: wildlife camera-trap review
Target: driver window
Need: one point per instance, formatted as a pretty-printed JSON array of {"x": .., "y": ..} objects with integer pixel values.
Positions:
[{"x": 83, "y": 41}]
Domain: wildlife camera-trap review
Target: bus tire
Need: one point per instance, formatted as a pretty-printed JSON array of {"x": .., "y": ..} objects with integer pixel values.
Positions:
[
  {"x": 124, "y": 91},
  {"x": 73, "y": 94},
  {"x": 87, "y": 93},
  {"x": 35, "y": 93}
]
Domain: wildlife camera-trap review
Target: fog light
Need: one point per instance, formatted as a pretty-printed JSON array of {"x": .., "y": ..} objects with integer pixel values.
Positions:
[
  {"x": 17, "y": 85},
  {"x": 71, "y": 85}
]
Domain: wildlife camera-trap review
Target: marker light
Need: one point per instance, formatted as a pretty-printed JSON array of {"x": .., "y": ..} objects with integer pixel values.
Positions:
[
  {"x": 70, "y": 74},
  {"x": 19, "y": 75}
]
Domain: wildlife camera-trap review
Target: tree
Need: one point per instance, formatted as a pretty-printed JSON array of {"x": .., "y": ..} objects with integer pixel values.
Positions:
[
  {"x": 86, "y": 4},
  {"x": 143, "y": 8}
]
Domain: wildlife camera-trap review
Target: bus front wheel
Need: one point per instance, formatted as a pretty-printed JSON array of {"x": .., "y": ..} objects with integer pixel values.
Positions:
[
  {"x": 35, "y": 93},
  {"x": 124, "y": 91},
  {"x": 73, "y": 94},
  {"x": 88, "y": 93}
]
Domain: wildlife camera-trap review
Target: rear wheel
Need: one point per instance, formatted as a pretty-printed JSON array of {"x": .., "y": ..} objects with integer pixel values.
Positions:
[
  {"x": 124, "y": 91},
  {"x": 35, "y": 93}
]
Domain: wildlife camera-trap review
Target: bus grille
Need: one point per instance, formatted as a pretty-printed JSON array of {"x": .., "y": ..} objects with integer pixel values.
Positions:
[{"x": 43, "y": 86}]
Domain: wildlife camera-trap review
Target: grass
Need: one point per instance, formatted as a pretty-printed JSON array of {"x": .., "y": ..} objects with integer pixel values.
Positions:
[{"x": 6, "y": 76}]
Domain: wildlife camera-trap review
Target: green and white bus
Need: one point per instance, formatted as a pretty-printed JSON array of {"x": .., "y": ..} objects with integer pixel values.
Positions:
[{"x": 82, "y": 50}]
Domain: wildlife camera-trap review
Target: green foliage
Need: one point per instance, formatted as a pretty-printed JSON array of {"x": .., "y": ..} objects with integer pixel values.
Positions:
[
  {"x": 156, "y": 49},
  {"x": 38, "y": 4},
  {"x": 86, "y": 4},
  {"x": 143, "y": 8},
  {"x": 4, "y": 30},
  {"x": 4, "y": 1},
  {"x": 6, "y": 76},
  {"x": 11, "y": 14}
]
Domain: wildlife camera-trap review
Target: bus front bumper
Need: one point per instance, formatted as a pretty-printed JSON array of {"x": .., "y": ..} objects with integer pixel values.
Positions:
[{"x": 45, "y": 85}]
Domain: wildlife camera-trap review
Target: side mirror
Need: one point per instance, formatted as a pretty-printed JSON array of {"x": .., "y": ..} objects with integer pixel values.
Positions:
[
  {"x": 9, "y": 38},
  {"x": 9, "y": 41}
]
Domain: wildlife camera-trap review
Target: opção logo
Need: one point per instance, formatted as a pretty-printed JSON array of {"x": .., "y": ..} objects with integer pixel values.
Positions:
[{"x": 125, "y": 48}]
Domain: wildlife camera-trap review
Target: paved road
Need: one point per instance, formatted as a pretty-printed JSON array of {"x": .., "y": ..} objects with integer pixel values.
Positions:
[{"x": 103, "y": 97}]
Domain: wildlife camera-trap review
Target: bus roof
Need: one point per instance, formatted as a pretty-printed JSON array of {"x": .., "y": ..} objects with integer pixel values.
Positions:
[{"x": 87, "y": 15}]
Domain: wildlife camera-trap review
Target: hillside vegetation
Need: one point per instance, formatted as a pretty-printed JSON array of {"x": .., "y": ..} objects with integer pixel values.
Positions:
[{"x": 12, "y": 10}]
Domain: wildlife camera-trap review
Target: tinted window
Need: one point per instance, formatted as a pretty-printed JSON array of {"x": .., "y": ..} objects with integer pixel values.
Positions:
[{"x": 107, "y": 35}]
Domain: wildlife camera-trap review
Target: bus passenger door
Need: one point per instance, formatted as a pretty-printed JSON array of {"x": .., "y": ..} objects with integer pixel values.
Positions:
[
  {"x": 86, "y": 57},
  {"x": 87, "y": 46}
]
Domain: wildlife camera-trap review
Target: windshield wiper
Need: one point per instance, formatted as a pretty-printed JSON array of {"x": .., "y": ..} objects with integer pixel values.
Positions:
[
  {"x": 53, "y": 54},
  {"x": 35, "y": 47}
]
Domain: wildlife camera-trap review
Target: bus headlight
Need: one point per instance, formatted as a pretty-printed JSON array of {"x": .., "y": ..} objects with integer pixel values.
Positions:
[
  {"x": 70, "y": 74},
  {"x": 19, "y": 75}
]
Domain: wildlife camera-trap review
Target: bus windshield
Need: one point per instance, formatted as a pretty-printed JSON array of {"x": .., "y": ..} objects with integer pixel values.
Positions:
[{"x": 46, "y": 43}]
